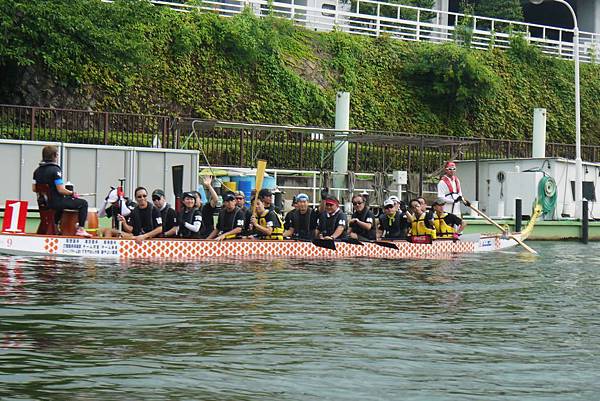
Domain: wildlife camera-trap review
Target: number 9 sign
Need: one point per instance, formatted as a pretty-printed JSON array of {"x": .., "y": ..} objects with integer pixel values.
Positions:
[{"x": 15, "y": 216}]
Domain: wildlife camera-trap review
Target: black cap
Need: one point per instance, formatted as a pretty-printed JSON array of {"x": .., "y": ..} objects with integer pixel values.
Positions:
[
  {"x": 158, "y": 192},
  {"x": 228, "y": 197},
  {"x": 264, "y": 193},
  {"x": 189, "y": 194}
]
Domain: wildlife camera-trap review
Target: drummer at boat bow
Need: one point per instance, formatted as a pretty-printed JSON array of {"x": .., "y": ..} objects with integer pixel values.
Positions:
[
  {"x": 447, "y": 225},
  {"x": 449, "y": 189},
  {"x": 266, "y": 224},
  {"x": 331, "y": 223},
  {"x": 362, "y": 223},
  {"x": 190, "y": 217},
  {"x": 144, "y": 222},
  {"x": 167, "y": 213},
  {"x": 230, "y": 222},
  {"x": 59, "y": 197},
  {"x": 302, "y": 221},
  {"x": 393, "y": 223}
]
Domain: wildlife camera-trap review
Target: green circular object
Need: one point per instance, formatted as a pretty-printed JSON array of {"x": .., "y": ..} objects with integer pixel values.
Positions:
[{"x": 547, "y": 194}]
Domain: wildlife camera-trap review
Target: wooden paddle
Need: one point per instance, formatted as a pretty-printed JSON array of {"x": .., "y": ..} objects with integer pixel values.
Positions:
[
  {"x": 260, "y": 175},
  {"x": 489, "y": 219}
]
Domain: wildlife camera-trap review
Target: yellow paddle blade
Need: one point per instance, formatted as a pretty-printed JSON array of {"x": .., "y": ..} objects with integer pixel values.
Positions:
[{"x": 261, "y": 166}]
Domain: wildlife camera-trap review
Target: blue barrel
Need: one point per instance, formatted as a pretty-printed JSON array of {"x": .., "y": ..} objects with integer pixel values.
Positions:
[
  {"x": 269, "y": 182},
  {"x": 245, "y": 184}
]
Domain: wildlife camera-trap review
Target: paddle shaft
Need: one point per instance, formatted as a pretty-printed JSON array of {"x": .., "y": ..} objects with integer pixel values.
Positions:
[
  {"x": 260, "y": 174},
  {"x": 524, "y": 245}
]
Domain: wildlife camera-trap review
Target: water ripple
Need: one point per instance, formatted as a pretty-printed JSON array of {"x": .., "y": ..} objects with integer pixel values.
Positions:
[{"x": 504, "y": 326}]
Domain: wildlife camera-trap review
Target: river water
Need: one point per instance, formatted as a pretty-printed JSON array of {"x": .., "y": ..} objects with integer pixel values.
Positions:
[{"x": 504, "y": 326}]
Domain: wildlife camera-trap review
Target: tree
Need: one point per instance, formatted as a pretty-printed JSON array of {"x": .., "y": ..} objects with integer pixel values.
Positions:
[
  {"x": 511, "y": 10},
  {"x": 503, "y": 9}
]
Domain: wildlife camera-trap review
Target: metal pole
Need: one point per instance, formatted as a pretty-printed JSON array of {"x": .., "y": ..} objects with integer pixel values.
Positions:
[
  {"x": 539, "y": 133},
  {"x": 342, "y": 122},
  {"x": 585, "y": 225},
  {"x": 578, "y": 163},
  {"x": 518, "y": 214},
  {"x": 477, "y": 160}
]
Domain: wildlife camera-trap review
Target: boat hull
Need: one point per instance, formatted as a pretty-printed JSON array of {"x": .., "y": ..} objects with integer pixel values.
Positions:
[{"x": 112, "y": 248}]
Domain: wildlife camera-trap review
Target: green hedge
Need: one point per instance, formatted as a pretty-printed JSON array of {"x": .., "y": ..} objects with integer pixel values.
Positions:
[{"x": 134, "y": 57}]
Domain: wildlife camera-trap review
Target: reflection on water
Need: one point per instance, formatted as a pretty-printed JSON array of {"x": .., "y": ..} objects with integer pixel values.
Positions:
[{"x": 494, "y": 327}]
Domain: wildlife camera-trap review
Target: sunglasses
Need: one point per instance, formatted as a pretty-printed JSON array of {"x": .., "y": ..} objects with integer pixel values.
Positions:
[
  {"x": 357, "y": 203},
  {"x": 141, "y": 196},
  {"x": 155, "y": 198},
  {"x": 388, "y": 206},
  {"x": 451, "y": 168},
  {"x": 239, "y": 197}
]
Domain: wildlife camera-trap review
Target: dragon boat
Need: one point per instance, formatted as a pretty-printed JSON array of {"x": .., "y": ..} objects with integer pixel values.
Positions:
[
  {"x": 189, "y": 249},
  {"x": 42, "y": 245}
]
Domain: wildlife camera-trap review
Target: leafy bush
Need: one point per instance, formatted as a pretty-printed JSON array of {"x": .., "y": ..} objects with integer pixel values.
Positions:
[{"x": 134, "y": 57}]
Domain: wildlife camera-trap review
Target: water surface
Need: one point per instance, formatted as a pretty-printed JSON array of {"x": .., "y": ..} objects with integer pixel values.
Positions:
[{"x": 504, "y": 326}]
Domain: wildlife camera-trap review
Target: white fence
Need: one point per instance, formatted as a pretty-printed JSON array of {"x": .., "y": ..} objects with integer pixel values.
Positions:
[{"x": 402, "y": 22}]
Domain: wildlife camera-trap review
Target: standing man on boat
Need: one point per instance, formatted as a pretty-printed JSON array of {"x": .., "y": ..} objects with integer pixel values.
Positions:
[
  {"x": 59, "y": 197},
  {"x": 167, "y": 213},
  {"x": 144, "y": 222},
  {"x": 449, "y": 189},
  {"x": 393, "y": 223},
  {"x": 362, "y": 223},
  {"x": 332, "y": 221},
  {"x": 302, "y": 221},
  {"x": 230, "y": 222}
]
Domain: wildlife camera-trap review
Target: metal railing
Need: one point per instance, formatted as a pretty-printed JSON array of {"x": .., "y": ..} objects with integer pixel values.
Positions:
[
  {"x": 241, "y": 144},
  {"x": 373, "y": 18}
]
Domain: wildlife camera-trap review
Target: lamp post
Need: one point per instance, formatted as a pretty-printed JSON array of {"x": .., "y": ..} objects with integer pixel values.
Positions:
[{"x": 578, "y": 163}]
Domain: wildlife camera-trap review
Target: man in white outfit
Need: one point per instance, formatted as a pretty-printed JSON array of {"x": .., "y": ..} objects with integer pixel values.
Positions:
[{"x": 449, "y": 189}]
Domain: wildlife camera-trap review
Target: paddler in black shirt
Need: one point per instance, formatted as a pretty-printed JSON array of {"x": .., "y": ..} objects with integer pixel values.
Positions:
[
  {"x": 332, "y": 222},
  {"x": 302, "y": 221},
  {"x": 230, "y": 222},
  {"x": 208, "y": 209},
  {"x": 393, "y": 223},
  {"x": 144, "y": 222},
  {"x": 190, "y": 218},
  {"x": 167, "y": 213},
  {"x": 362, "y": 223},
  {"x": 59, "y": 197}
]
